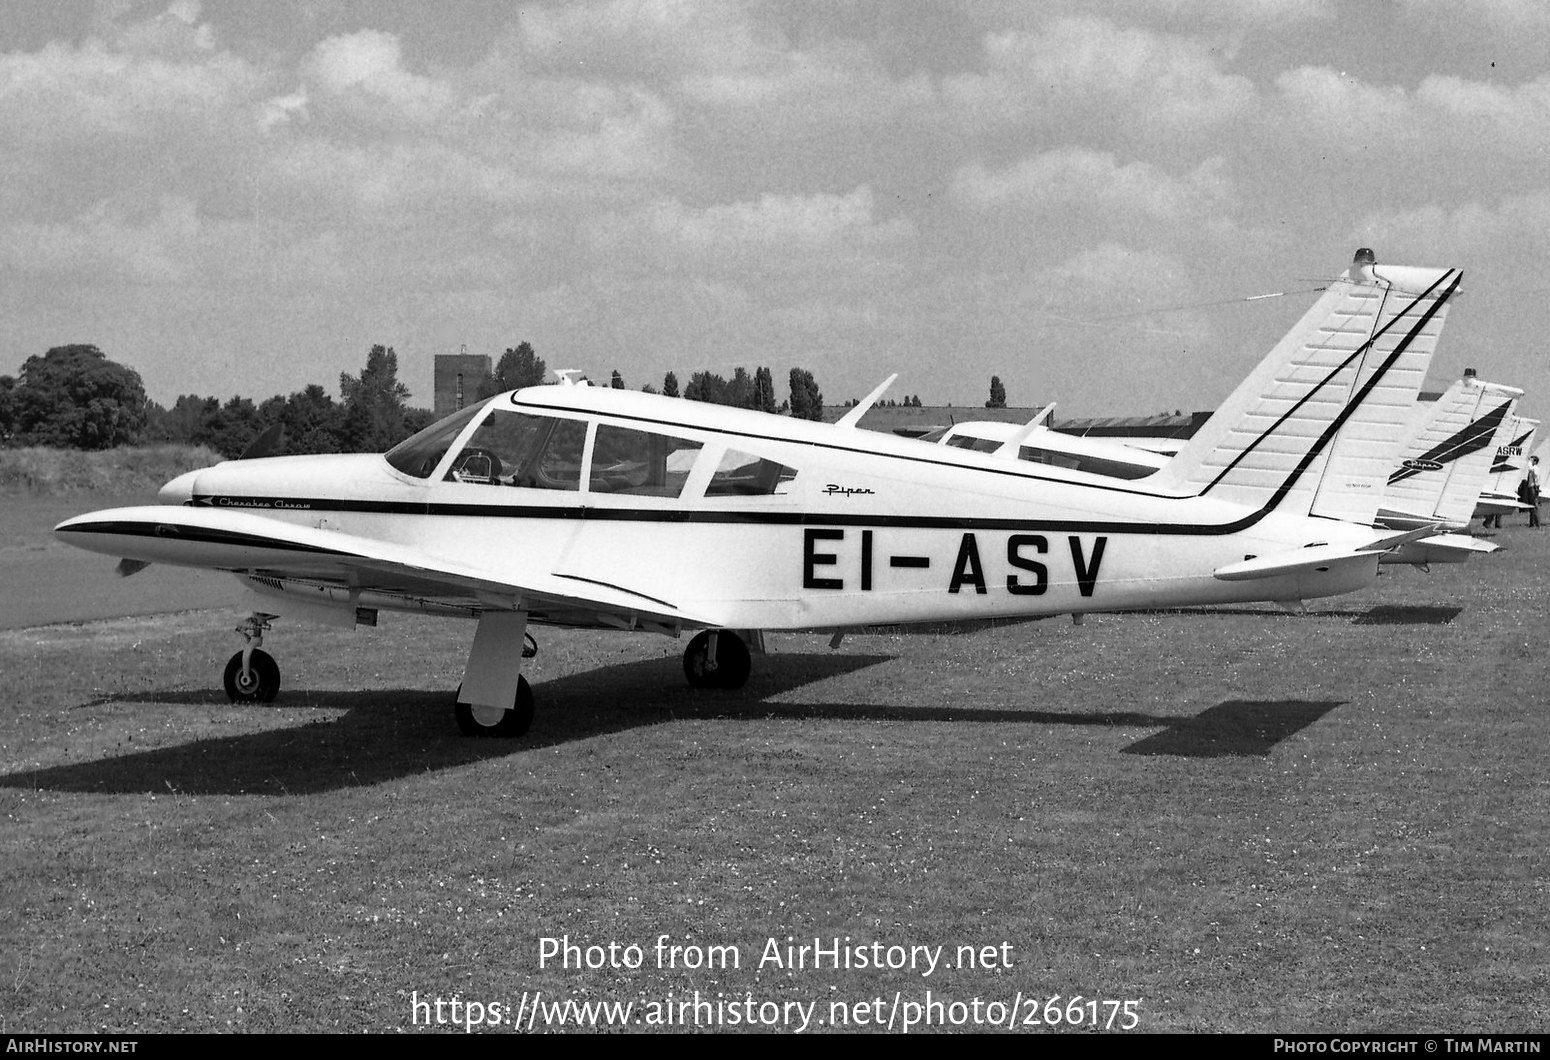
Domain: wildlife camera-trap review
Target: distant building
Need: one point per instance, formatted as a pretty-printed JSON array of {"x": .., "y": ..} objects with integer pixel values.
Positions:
[{"x": 458, "y": 376}]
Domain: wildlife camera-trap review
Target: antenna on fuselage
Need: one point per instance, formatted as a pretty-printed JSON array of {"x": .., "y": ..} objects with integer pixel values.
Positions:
[
  {"x": 853, "y": 417},
  {"x": 1011, "y": 445}
]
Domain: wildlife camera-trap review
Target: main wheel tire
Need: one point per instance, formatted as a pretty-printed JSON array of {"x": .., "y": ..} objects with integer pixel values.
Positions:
[
  {"x": 506, "y": 724},
  {"x": 261, "y": 682},
  {"x": 732, "y": 664}
]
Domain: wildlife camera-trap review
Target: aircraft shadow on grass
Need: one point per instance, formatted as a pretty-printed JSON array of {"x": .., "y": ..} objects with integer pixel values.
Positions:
[
  {"x": 1379, "y": 615},
  {"x": 387, "y": 734}
]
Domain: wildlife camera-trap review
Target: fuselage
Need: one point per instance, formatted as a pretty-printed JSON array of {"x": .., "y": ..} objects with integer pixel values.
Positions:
[{"x": 746, "y": 520}]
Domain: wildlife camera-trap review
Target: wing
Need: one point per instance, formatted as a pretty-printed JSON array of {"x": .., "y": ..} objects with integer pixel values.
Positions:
[{"x": 268, "y": 550}]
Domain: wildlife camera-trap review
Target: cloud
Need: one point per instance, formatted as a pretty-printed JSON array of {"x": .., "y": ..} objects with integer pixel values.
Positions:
[
  {"x": 640, "y": 38},
  {"x": 282, "y": 110},
  {"x": 1516, "y": 226},
  {"x": 365, "y": 70},
  {"x": 394, "y": 184},
  {"x": 811, "y": 232},
  {"x": 107, "y": 244},
  {"x": 61, "y": 92},
  {"x": 1508, "y": 16},
  {"x": 175, "y": 32},
  {"x": 1447, "y": 134},
  {"x": 1071, "y": 177},
  {"x": 1075, "y": 66},
  {"x": 806, "y": 222},
  {"x": 1520, "y": 113}
]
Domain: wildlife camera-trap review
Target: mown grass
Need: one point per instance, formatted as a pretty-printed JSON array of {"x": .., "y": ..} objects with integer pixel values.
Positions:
[
  {"x": 1248, "y": 820},
  {"x": 52, "y": 472}
]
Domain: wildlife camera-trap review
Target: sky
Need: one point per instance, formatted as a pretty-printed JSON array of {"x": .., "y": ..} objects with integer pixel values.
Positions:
[{"x": 1083, "y": 198}]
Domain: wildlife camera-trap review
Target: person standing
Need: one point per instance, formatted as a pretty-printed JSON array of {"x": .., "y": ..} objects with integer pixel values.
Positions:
[{"x": 1531, "y": 484}]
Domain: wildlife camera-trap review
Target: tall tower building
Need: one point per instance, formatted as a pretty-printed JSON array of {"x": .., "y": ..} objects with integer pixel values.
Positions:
[{"x": 458, "y": 376}]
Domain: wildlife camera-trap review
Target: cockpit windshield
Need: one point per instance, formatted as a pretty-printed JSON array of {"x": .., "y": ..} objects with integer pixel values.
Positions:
[{"x": 419, "y": 454}]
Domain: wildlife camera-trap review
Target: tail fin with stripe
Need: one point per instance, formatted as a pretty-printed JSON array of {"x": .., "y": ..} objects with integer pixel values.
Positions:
[
  {"x": 1317, "y": 426},
  {"x": 1446, "y": 463}
]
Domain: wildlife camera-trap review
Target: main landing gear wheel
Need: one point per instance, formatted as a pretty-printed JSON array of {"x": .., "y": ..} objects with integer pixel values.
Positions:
[
  {"x": 728, "y": 669},
  {"x": 258, "y": 683},
  {"x": 491, "y": 721}
]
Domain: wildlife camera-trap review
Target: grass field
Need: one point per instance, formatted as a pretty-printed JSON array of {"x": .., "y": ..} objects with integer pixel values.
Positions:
[{"x": 1240, "y": 819}]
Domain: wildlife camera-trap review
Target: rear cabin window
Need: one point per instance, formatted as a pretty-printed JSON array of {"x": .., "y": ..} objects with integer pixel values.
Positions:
[
  {"x": 978, "y": 445},
  {"x": 1095, "y": 465},
  {"x": 519, "y": 449},
  {"x": 640, "y": 463},
  {"x": 744, "y": 475}
]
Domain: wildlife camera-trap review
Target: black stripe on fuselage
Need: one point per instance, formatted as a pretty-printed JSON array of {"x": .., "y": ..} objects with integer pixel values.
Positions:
[{"x": 760, "y": 518}]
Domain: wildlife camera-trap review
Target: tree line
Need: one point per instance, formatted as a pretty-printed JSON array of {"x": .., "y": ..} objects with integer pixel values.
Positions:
[{"x": 75, "y": 397}]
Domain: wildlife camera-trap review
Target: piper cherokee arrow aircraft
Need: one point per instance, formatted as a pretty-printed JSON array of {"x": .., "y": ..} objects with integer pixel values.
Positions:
[{"x": 575, "y": 505}]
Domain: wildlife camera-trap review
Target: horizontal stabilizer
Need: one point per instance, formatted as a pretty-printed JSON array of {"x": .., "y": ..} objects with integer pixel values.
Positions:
[
  {"x": 1313, "y": 558},
  {"x": 1460, "y": 543},
  {"x": 1440, "y": 548}
]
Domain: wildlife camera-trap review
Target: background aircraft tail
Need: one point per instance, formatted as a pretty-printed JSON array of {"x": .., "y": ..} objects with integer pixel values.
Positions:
[
  {"x": 1444, "y": 467},
  {"x": 1316, "y": 428},
  {"x": 1508, "y": 466}
]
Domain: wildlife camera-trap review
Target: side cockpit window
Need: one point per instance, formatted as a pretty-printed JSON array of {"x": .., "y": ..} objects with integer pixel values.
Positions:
[
  {"x": 640, "y": 463},
  {"x": 518, "y": 449},
  {"x": 743, "y": 475}
]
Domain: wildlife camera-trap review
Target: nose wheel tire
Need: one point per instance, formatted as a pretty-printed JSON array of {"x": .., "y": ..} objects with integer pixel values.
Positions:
[
  {"x": 259, "y": 683},
  {"x": 492, "y": 721},
  {"x": 728, "y": 670}
]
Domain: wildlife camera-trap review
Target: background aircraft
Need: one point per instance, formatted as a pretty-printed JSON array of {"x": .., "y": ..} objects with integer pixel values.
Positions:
[
  {"x": 1448, "y": 459},
  {"x": 1499, "y": 496},
  {"x": 1436, "y": 481}
]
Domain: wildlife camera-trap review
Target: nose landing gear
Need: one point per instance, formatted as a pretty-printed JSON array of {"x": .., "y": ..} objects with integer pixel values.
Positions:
[{"x": 252, "y": 675}]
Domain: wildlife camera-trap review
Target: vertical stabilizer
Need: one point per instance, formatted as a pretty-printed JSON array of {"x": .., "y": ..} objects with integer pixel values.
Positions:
[
  {"x": 1316, "y": 428},
  {"x": 1511, "y": 459},
  {"x": 1446, "y": 462}
]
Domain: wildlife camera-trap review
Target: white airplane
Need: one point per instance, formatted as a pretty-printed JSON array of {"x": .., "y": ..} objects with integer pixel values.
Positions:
[
  {"x": 1040, "y": 444},
  {"x": 1500, "y": 494},
  {"x": 582, "y": 506}
]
